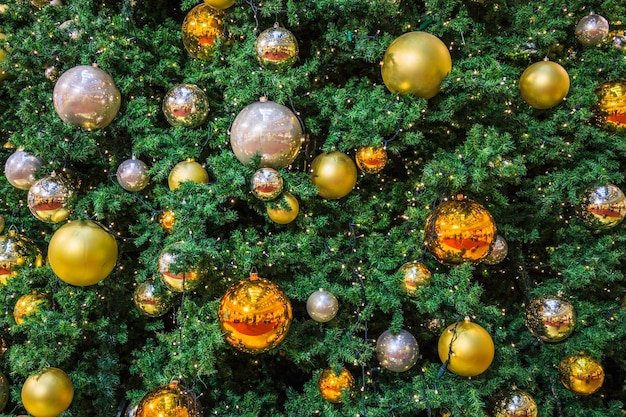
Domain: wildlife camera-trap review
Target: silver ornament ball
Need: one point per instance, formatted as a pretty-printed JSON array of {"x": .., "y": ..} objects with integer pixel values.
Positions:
[
  {"x": 322, "y": 306},
  {"x": 592, "y": 30},
  {"x": 132, "y": 175},
  {"x": 397, "y": 352},
  {"x": 498, "y": 251},
  {"x": 20, "y": 168}
]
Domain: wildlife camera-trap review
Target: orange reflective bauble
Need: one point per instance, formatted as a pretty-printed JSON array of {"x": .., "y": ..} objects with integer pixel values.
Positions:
[
  {"x": 611, "y": 107},
  {"x": 201, "y": 29},
  {"x": 467, "y": 347},
  {"x": 371, "y": 159},
  {"x": 285, "y": 210},
  {"x": 170, "y": 400},
  {"x": 333, "y": 385},
  {"x": 47, "y": 393},
  {"x": 581, "y": 374}
]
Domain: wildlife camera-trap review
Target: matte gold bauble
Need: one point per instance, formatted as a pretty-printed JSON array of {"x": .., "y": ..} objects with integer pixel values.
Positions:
[
  {"x": 611, "y": 107},
  {"x": 170, "y": 400},
  {"x": 201, "y": 28},
  {"x": 167, "y": 218},
  {"x": 178, "y": 281},
  {"x": 467, "y": 347},
  {"x": 132, "y": 175},
  {"x": 87, "y": 97},
  {"x": 48, "y": 199},
  {"x": 16, "y": 252},
  {"x": 220, "y": 4},
  {"x": 322, "y": 306},
  {"x": 550, "y": 318},
  {"x": 581, "y": 374},
  {"x": 371, "y": 159},
  {"x": 592, "y": 30},
  {"x": 335, "y": 386},
  {"x": 544, "y": 84},
  {"x": 47, "y": 393},
  {"x": 460, "y": 230},
  {"x": 82, "y": 253},
  {"x": 498, "y": 251},
  {"x": 20, "y": 168},
  {"x": 416, "y": 63},
  {"x": 397, "y": 352},
  {"x": 188, "y": 170},
  {"x": 185, "y": 105},
  {"x": 269, "y": 130},
  {"x": 255, "y": 315},
  {"x": 2, "y": 223},
  {"x": 334, "y": 174},
  {"x": 5, "y": 391},
  {"x": 416, "y": 275},
  {"x": 276, "y": 48},
  {"x": 603, "y": 207},
  {"x": 516, "y": 403},
  {"x": 284, "y": 210},
  {"x": 150, "y": 300},
  {"x": 4, "y": 57},
  {"x": 266, "y": 184},
  {"x": 28, "y": 304}
]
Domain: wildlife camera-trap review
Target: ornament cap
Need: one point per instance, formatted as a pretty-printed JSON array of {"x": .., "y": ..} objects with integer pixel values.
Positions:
[{"x": 263, "y": 99}]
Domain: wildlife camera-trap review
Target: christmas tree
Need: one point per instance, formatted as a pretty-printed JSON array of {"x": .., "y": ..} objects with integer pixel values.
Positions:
[{"x": 299, "y": 208}]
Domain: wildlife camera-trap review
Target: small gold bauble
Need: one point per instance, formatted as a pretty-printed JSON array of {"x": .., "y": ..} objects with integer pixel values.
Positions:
[
  {"x": 167, "y": 218},
  {"x": 2, "y": 223},
  {"x": 544, "y": 84},
  {"x": 266, "y": 184},
  {"x": 5, "y": 391},
  {"x": 28, "y": 304},
  {"x": 516, "y": 403},
  {"x": 48, "y": 199},
  {"x": 188, "y": 170},
  {"x": 276, "y": 49},
  {"x": 498, "y": 251},
  {"x": 334, "y": 174},
  {"x": 220, "y": 4},
  {"x": 592, "y": 30},
  {"x": 603, "y": 207},
  {"x": 255, "y": 315},
  {"x": 550, "y": 318},
  {"x": 416, "y": 275},
  {"x": 335, "y": 386},
  {"x": 20, "y": 168},
  {"x": 284, "y": 210},
  {"x": 467, "y": 347},
  {"x": 47, "y": 393},
  {"x": 4, "y": 57},
  {"x": 371, "y": 159},
  {"x": 611, "y": 107},
  {"x": 185, "y": 105},
  {"x": 581, "y": 374},
  {"x": 170, "y": 400},
  {"x": 17, "y": 251},
  {"x": 132, "y": 175},
  {"x": 201, "y": 28},
  {"x": 179, "y": 281},
  {"x": 151, "y": 301}
]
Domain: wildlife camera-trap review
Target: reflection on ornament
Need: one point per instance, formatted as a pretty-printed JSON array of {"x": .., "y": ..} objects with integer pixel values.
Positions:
[
  {"x": 498, "y": 251},
  {"x": 47, "y": 393},
  {"x": 371, "y": 159},
  {"x": 132, "y": 175},
  {"x": 284, "y": 210},
  {"x": 17, "y": 251},
  {"x": 188, "y": 170},
  {"x": 619, "y": 42},
  {"x": 28, "y": 304},
  {"x": 334, "y": 174},
  {"x": 603, "y": 207},
  {"x": 220, "y": 4},
  {"x": 416, "y": 63},
  {"x": 276, "y": 48},
  {"x": 150, "y": 301},
  {"x": 516, "y": 403},
  {"x": 335, "y": 386},
  {"x": 170, "y": 400},
  {"x": 266, "y": 184},
  {"x": 544, "y": 84},
  {"x": 269, "y": 130},
  {"x": 550, "y": 318},
  {"x": 467, "y": 348},
  {"x": 167, "y": 219},
  {"x": 5, "y": 391},
  {"x": 201, "y": 28},
  {"x": 592, "y": 30},
  {"x": 175, "y": 280},
  {"x": 20, "y": 168},
  {"x": 416, "y": 275},
  {"x": 51, "y": 73},
  {"x": 611, "y": 108},
  {"x": 48, "y": 199},
  {"x": 322, "y": 306},
  {"x": 581, "y": 374},
  {"x": 87, "y": 97},
  {"x": 255, "y": 315},
  {"x": 186, "y": 105},
  {"x": 397, "y": 352},
  {"x": 460, "y": 230}
]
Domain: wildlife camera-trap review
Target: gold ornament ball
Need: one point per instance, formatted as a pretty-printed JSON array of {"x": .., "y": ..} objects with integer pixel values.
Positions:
[
  {"x": 416, "y": 63},
  {"x": 47, "y": 393},
  {"x": 276, "y": 49},
  {"x": 4, "y": 57},
  {"x": 334, "y": 174},
  {"x": 188, "y": 170},
  {"x": 170, "y": 400},
  {"x": 28, "y": 304},
  {"x": 603, "y": 207},
  {"x": 185, "y": 105},
  {"x": 460, "y": 230},
  {"x": 550, "y": 318},
  {"x": 468, "y": 347},
  {"x": 415, "y": 276},
  {"x": 151, "y": 301},
  {"x": 201, "y": 28},
  {"x": 20, "y": 168},
  {"x": 179, "y": 281},
  {"x": 515, "y": 403},
  {"x": 498, "y": 251},
  {"x": 2, "y": 223},
  {"x": 82, "y": 253},
  {"x": 132, "y": 175},
  {"x": 592, "y": 30},
  {"x": 610, "y": 110},
  {"x": 167, "y": 219},
  {"x": 581, "y": 374},
  {"x": 220, "y": 4},
  {"x": 16, "y": 252},
  {"x": 255, "y": 315},
  {"x": 284, "y": 210},
  {"x": 87, "y": 97},
  {"x": 266, "y": 184},
  {"x": 5, "y": 391},
  {"x": 334, "y": 386},
  {"x": 371, "y": 159},
  {"x": 48, "y": 199},
  {"x": 544, "y": 84}
]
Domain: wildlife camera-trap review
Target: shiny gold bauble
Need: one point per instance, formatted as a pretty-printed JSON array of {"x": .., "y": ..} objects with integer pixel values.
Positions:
[
  {"x": 334, "y": 386},
  {"x": 170, "y": 400},
  {"x": 2, "y": 223},
  {"x": 603, "y": 207},
  {"x": 416, "y": 275},
  {"x": 132, "y": 175},
  {"x": 592, "y": 30},
  {"x": 5, "y": 391},
  {"x": 185, "y": 105},
  {"x": 467, "y": 347},
  {"x": 550, "y": 318},
  {"x": 47, "y": 393},
  {"x": 150, "y": 300},
  {"x": 4, "y": 57},
  {"x": 178, "y": 281},
  {"x": 28, "y": 304},
  {"x": 201, "y": 28},
  {"x": 220, "y": 4},
  {"x": 16, "y": 252},
  {"x": 276, "y": 48},
  {"x": 516, "y": 403},
  {"x": 581, "y": 374},
  {"x": 87, "y": 97},
  {"x": 20, "y": 168},
  {"x": 371, "y": 159},
  {"x": 498, "y": 251},
  {"x": 167, "y": 218},
  {"x": 334, "y": 174},
  {"x": 460, "y": 230},
  {"x": 269, "y": 130},
  {"x": 611, "y": 107},
  {"x": 416, "y": 63},
  {"x": 255, "y": 315},
  {"x": 188, "y": 170},
  {"x": 48, "y": 199},
  {"x": 544, "y": 84},
  {"x": 82, "y": 252},
  {"x": 284, "y": 210},
  {"x": 266, "y": 184}
]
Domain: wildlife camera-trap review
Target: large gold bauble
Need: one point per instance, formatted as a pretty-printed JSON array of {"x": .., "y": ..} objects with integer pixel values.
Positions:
[
  {"x": 87, "y": 97},
  {"x": 334, "y": 174},
  {"x": 269, "y": 130},
  {"x": 255, "y": 315},
  {"x": 170, "y": 400},
  {"x": 17, "y": 251},
  {"x": 581, "y": 374},
  {"x": 201, "y": 28},
  {"x": 371, "y": 159},
  {"x": 48, "y": 199},
  {"x": 179, "y": 281},
  {"x": 47, "y": 393},
  {"x": 550, "y": 318},
  {"x": 284, "y": 210},
  {"x": 334, "y": 386},
  {"x": 266, "y": 184},
  {"x": 460, "y": 230},
  {"x": 220, "y": 4},
  {"x": 416, "y": 63},
  {"x": 467, "y": 347},
  {"x": 415, "y": 276},
  {"x": 28, "y": 304},
  {"x": 185, "y": 105},
  {"x": 544, "y": 84},
  {"x": 20, "y": 168},
  {"x": 603, "y": 207},
  {"x": 5, "y": 391},
  {"x": 611, "y": 107},
  {"x": 150, "y": 300},
  {"x": 82, "y": 253},
  {"x": 592, "y": 30},
  {"x": 188, "y": 170},
  {"x": 276, "y": 49},
  {"x": 516, "y": 403}
]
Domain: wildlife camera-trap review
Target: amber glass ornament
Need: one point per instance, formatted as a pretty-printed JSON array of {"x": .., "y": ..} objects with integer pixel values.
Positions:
[
  {"x": 5, "y": 391},
  {"x": 201, "y": 28},
  {"x": 28, "y": 304},
  {"x": 49, "y": 199},
  {"x": 515, "y": 403},
  {"x": 178, "y": 281},
  {"x": 268, "y": 129},
  {"x": 185, "y": 105},
  {"x": 592, "y": 30},
  {"x": 334, "y": 174},
  {"x": 82, "y": 252},
  {"x": 460, "y": 230},
  {"x": 322, "y": 306},
  {"x": 284, "y": 210},
  {"x": 266, "y": 184},
  {"x": 167, "y": 219},
  {"x": 581, "y": 374},
  {"x": 397, "y": 352},
  {"x": 17, "y": 251},
  {"x": 188, "y": 170},
  {"x": 371, "y": 159},
  {"x": 550, "y": 318},
  {"x": 334, "y": 386},
  {"x": 603, "y": 207},
  {"x": 151, "y": 301},
  {"x": 47, "y": 393},
  {"x": 220, "y": 4},
  {"x": 544, "y": 84},
  {"x": 276, "y": 48},
  {"x": 170, "y": 400},
  {"x": 87, "y": 97},
  {"x": 20, "y": 168},
  {"x": 467, "y": 347},
  {"x": 416, "y": 63},
  {"x": 416, "y": 275},
  {"x": 132, "y": 175},
  {"x": 498, "y": 251},
  {"x": 255, "y": 315},
  {"x": 611, "y": 108}
]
